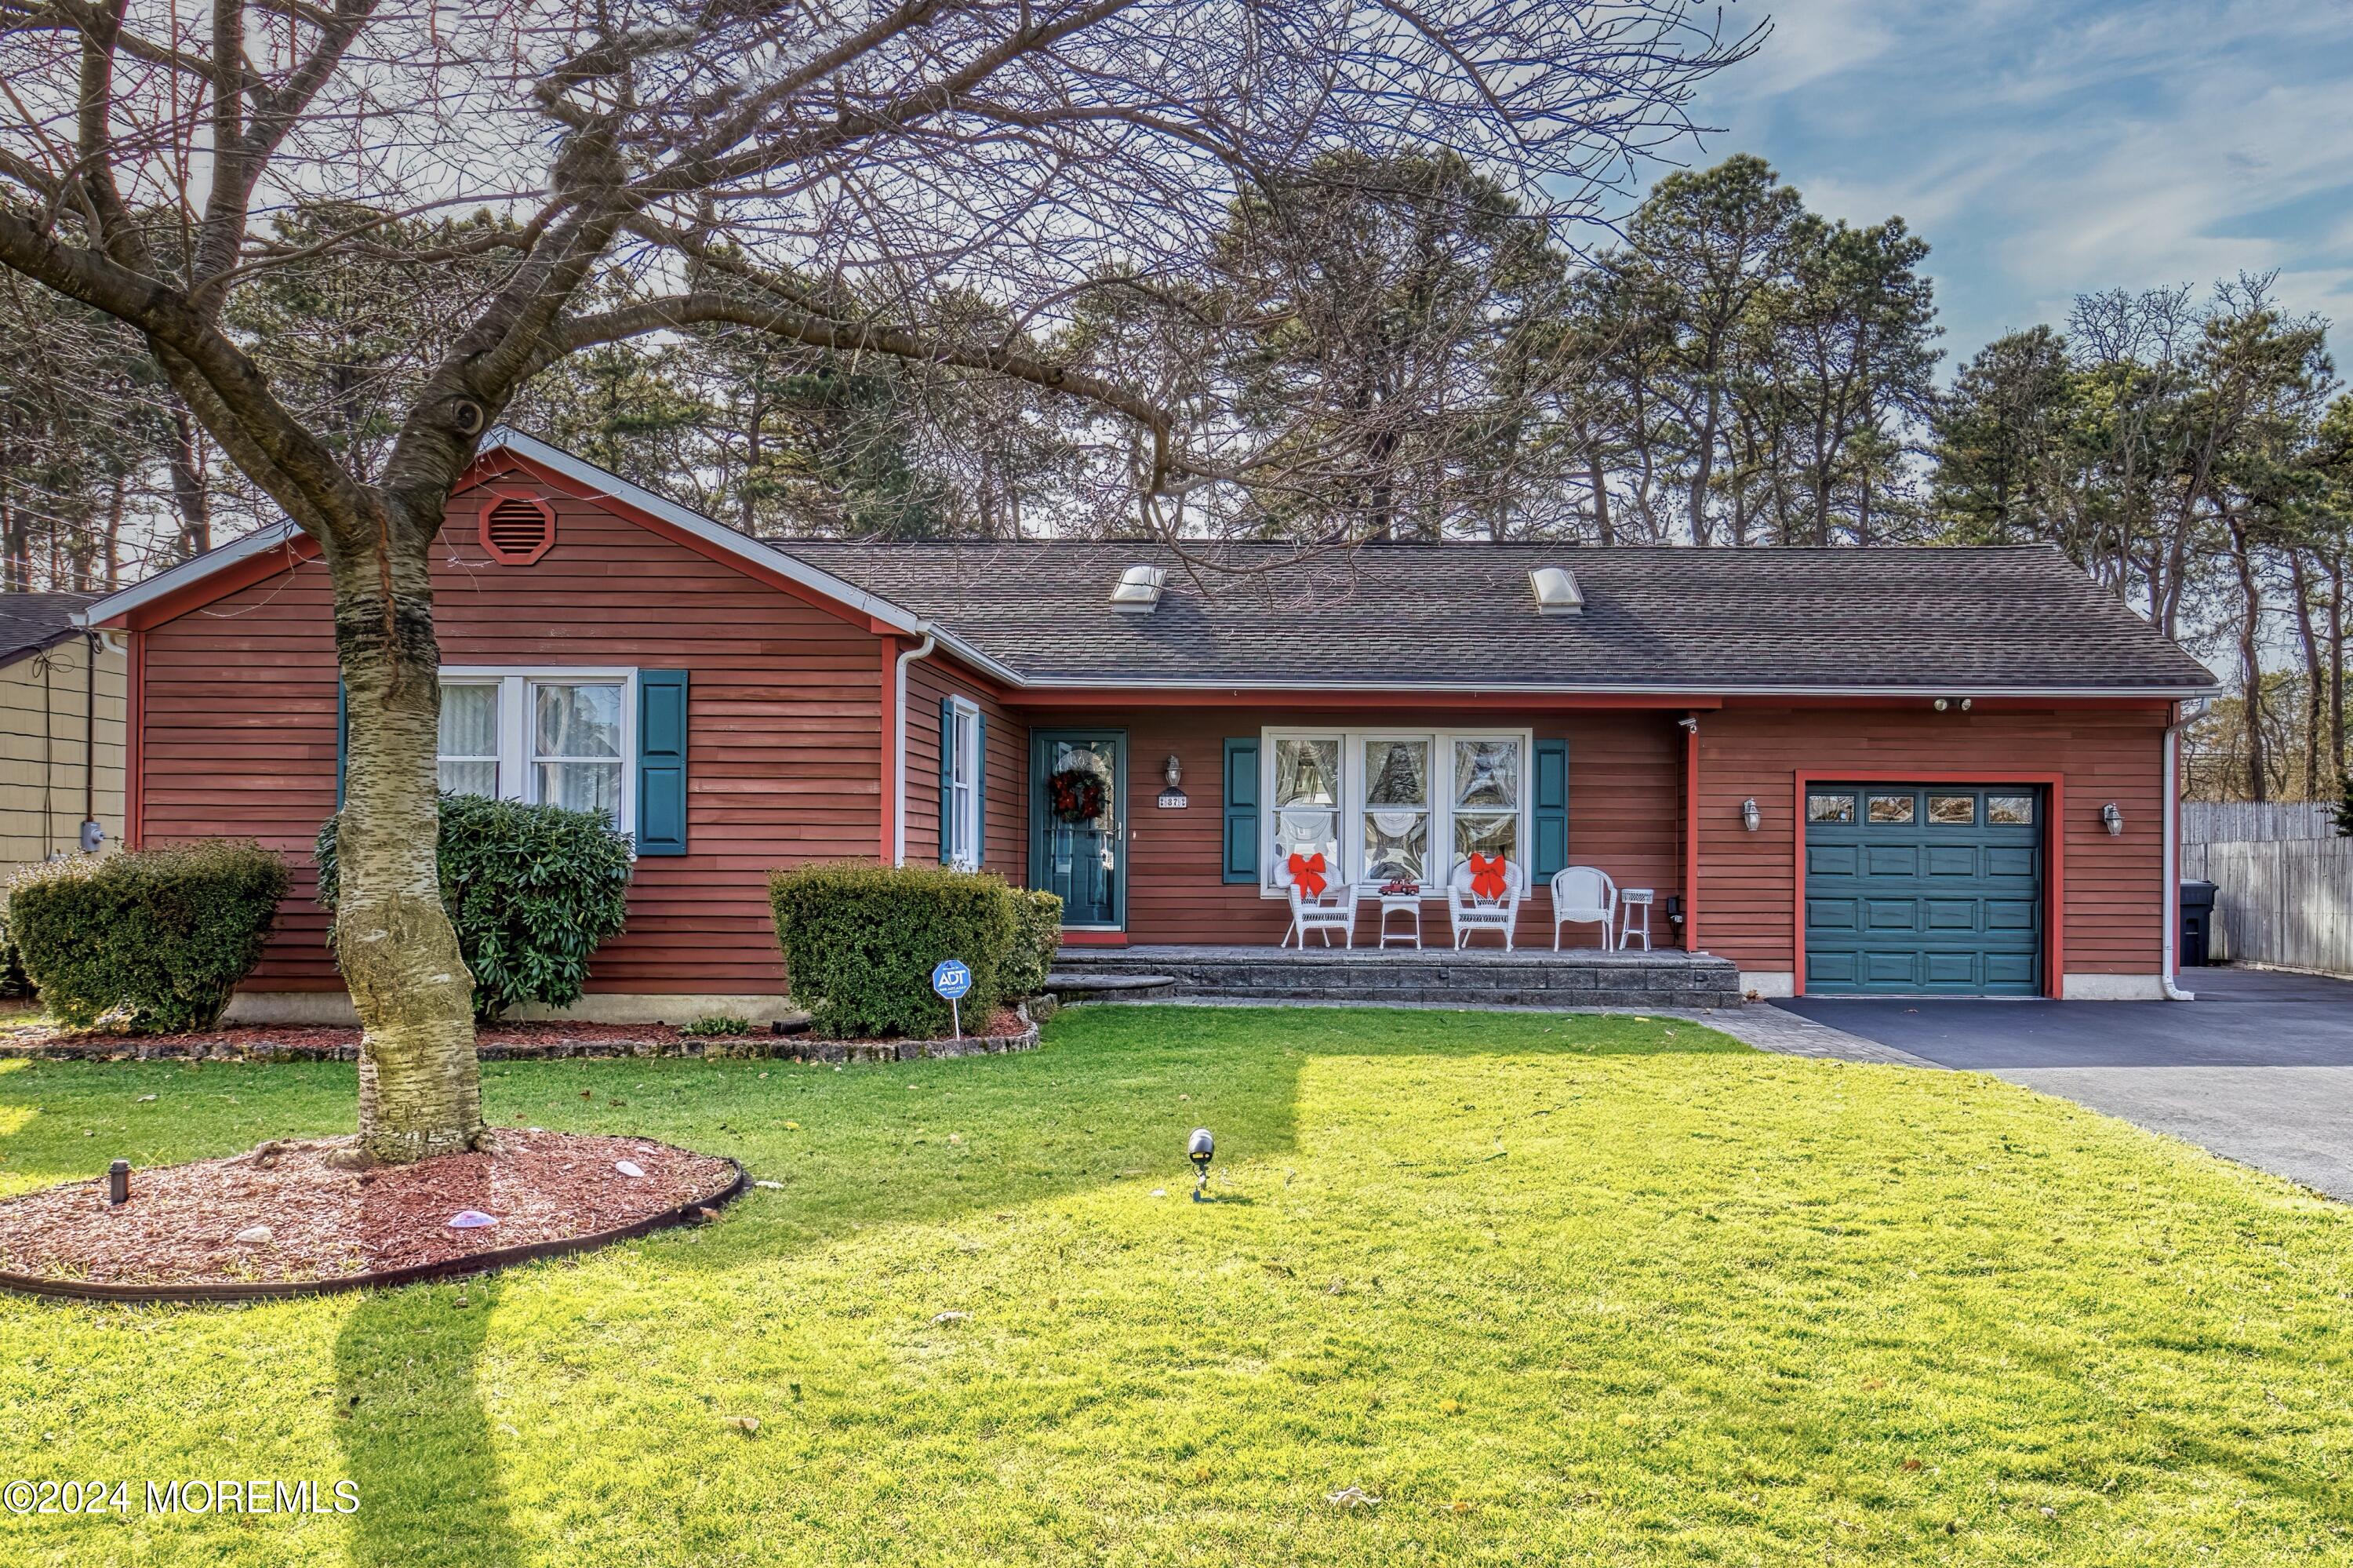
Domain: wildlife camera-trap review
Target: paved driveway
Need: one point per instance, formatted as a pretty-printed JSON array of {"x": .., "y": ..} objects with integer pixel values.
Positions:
[{"x": 2259, "y": 1068}]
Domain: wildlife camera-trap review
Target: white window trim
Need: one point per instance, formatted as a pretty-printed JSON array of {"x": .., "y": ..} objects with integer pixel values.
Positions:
[
  {"x": 516, "y": 775},
  {"x": 1352, "y": 792},
  {"x": 965, "y": 843}
]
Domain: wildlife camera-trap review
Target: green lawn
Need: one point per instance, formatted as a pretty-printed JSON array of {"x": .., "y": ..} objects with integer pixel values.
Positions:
[{"x": 1557, "y": 1290}]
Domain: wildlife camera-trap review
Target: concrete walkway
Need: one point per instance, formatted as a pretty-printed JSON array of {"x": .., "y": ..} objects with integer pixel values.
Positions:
[{"x": 2258, "y": 1069}]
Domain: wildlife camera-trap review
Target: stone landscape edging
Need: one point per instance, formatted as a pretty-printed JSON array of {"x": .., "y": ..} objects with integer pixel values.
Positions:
[{"x": 712, "y": 1047}]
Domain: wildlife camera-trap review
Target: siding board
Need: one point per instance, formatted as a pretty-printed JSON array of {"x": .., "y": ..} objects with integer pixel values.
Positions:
[
  {"x": 784, "y": 738},
  {"x": 2113, "y": 895}
]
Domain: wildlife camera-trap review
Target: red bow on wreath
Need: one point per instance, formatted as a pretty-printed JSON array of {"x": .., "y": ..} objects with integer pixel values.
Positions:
[
  {"x": 1307, "y": 871},
  {"x": 1487, "y": 879}
]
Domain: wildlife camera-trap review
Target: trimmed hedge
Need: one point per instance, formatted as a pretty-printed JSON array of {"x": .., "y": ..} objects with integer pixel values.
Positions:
[
  {"x": 160, "y": 936},
  {"x": 860, "y": 942},
  {"x": 1037, "y": 933},
  {"x": 533, "y": 891}
]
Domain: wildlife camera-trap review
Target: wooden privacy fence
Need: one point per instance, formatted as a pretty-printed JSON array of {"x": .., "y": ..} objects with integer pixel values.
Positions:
[{"x": 2283, "y": 880}]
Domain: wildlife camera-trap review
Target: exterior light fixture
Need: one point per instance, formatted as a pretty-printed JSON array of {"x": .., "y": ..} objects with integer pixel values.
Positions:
[
  {"x": 118, "y": 1182},
  {"x": 1199, "y": 1149},
  {"x": 2113, "y": 817},
  {"x": 1172, "y": 770},
  {"x": 1750, "y": 817},
  {"x": 1942, "y": 705}
]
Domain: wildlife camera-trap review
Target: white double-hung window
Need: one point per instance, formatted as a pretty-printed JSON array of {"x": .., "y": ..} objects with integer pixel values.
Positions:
[
  {"x": 556, "y": 737},
  {"x": 1386, "y": 806}
]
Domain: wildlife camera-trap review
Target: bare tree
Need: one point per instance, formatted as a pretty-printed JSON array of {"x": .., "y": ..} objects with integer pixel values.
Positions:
[{"x": 665, "y": 166}]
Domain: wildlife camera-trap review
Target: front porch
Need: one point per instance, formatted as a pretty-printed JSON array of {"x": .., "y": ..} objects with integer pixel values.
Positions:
[{"x": 1477, "y": 977}]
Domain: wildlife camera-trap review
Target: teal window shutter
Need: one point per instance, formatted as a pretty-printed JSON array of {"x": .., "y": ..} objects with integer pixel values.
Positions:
[
  {"x": 980, "y": 790},
  {"x": 1242, "y": 808},
  {"x": 342, "y": 737},
  {"x": 662, "y": 761},
  {"x": 1550, "y": 851},
  {"x": 947, "y": 779}
]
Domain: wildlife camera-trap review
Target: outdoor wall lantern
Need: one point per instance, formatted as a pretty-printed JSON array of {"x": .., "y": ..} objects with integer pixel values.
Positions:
[
  {"x": 1172, "y": 770},
  {"x": 2114, "y": 818},
  {"x": 1750, "y": 817},
  {"x": 1197, "y": 1149}
]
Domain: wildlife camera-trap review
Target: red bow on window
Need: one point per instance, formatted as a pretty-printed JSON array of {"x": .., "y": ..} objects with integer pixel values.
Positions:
[
  {"x": 1487, "y": 879},
  {"x": 1307, "y": 870}
]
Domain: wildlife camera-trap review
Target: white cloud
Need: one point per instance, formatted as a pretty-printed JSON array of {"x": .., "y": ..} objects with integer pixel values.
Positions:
[{"x": 2045, "y": 147}]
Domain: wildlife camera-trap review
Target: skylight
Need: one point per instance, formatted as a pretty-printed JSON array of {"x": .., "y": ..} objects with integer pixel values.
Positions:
[
  {"x": 1556, "y": 591},
  {"x": 1138, "y": 590}
]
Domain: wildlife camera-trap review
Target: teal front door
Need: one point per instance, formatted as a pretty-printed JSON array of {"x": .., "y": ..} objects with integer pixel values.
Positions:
[
  {"x": 1924, "y": 888},
  {"x": 1076, "y": 811}
]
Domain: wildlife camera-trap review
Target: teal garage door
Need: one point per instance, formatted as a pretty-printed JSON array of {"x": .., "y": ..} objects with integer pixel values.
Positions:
[{"x": 1924, "y": 888}]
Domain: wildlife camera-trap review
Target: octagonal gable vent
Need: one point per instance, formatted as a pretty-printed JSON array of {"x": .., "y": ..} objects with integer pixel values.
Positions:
[{"x": 518, "y": 529}]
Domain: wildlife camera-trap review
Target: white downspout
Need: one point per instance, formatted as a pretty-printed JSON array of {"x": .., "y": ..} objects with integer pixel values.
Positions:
[
  {"x": 2168, "y": 964},
  {"x": 899, "y": 744}
]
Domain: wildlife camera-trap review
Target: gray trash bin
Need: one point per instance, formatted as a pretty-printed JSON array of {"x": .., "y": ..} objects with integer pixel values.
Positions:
[{"x": 2196, "y": 923}]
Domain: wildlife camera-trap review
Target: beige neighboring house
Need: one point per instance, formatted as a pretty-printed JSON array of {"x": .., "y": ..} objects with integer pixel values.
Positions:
[{"x": 61, "y": 730}]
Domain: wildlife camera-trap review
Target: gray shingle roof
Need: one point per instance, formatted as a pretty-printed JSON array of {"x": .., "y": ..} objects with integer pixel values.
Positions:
[
  {"x": 2020, "y": 618},
  {"x": 32, "y": 622}
]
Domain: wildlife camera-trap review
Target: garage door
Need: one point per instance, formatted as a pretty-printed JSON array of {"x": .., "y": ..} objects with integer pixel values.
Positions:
[{"x": 1925, "y": 888}]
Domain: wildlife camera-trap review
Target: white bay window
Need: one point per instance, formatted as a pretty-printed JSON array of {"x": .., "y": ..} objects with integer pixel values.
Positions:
[
  {"x": 1382, "y": 806},
  {"x": 555, "y": 737}
]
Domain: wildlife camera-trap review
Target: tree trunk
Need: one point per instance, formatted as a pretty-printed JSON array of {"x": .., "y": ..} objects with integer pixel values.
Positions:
[
  {"x": 2310, "y": 641},
  {"x": 113, "y": 542},
  {"x": 189, "y": 494},
  {"x": 2251, "y": 667},
  {"x": 420, "y": 1083},
  {"x": 1600, "y": 483},
  {"x": 2340, "y": 765}
]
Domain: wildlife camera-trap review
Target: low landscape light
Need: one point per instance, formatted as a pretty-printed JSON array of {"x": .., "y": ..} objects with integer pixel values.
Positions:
[
  {"x": 118, "y": 1182},
  {"x": 1197, "y": 1149}
]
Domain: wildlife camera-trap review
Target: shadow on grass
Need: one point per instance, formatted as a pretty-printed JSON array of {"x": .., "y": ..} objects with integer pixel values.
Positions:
[{"x": 415, "y": 1435}]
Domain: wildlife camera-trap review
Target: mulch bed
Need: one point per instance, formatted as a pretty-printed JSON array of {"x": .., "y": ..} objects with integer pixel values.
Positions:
[
  {"x": 329, "y": 1222},
  {"x": 1008, "y": 1030},
  {"x": 341, "y": 1043}
]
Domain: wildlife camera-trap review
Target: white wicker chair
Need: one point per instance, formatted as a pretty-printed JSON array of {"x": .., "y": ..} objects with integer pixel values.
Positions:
[
  {"x": 1471, "y": 913},
  {"x": 1333, "y": 909},
  {"x": 1581, "y": 895}
]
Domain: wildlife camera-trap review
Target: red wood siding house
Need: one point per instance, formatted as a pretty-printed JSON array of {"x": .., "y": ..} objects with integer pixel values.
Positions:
[{"x": 844, "y": 701}]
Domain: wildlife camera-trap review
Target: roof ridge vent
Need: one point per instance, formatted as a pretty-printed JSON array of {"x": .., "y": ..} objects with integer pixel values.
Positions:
[
  {"x": 1556, "y": 591},
  {"x": 1138, "y": 592}
]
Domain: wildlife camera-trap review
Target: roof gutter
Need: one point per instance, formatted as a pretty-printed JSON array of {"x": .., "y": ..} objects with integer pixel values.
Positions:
[{"x": 1668, "y": 695}]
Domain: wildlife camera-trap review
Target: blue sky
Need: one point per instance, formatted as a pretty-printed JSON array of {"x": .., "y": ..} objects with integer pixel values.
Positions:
[{"x": 2049, "y": 147}]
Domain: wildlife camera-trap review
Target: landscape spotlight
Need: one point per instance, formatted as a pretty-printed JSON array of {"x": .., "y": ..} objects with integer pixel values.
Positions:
[{"x": 1198, "y": 1150}]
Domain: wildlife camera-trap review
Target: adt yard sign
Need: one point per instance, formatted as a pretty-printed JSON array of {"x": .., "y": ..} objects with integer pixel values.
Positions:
[{"x": 952, "y": 979}]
